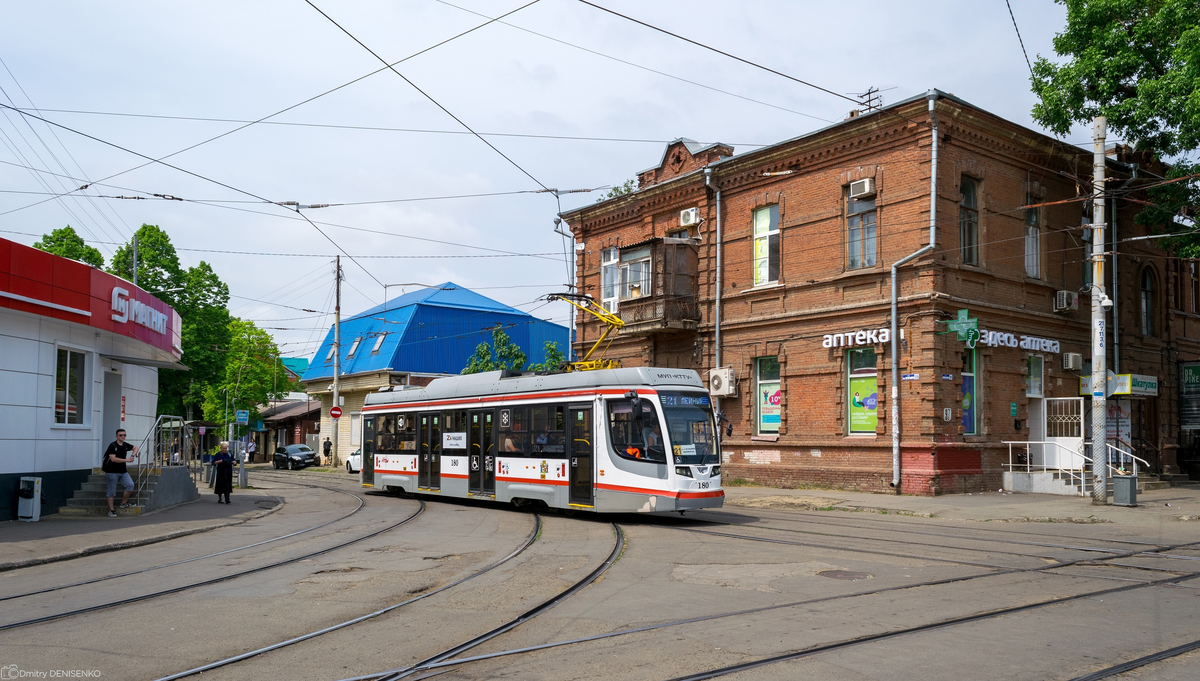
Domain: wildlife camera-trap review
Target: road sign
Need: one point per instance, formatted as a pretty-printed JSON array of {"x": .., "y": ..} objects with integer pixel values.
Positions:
[
  {"x": 243, "y": 417},
  {"x": 335, "y": 413},
  {"x": 202, "y": 429}
]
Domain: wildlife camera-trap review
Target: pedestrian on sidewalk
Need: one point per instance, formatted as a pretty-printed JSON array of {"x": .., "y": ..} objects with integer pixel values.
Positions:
[
  {"x": 328, "y": 451},
  {"x": 114, "y": 466},
  {"x": 251, "y": 450},
  {"x": 223, "y": 483}
]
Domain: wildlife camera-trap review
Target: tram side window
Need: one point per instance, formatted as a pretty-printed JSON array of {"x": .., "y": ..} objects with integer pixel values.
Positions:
[
  {"x": 546, "y": 430},
  {"x": 633, "y": 439},
  {"x": 385, "y": 434},
  {"x": 514, "y": 431},
  {"x": 406, "y": 433}
]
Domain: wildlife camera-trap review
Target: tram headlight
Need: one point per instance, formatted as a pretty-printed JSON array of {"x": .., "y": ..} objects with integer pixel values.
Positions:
[
  {"x": 716, "y": 470},
  {"x": 684, "y": 471}
]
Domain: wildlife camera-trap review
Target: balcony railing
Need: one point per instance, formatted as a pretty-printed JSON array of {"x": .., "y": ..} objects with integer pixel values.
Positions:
[
  {"x": 655, "y": 314},
  {"x": 667, "y": 303}
]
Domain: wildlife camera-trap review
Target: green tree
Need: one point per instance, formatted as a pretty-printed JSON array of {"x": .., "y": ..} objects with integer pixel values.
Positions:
[
  {"x": 251, "y": 368},
  {"x": 1136, "y": 62},
  {"x": 554, "y": 359},
  {"x": 626, "y": 187},
  {"x": 506, "y": 355},
  {"x": 65, "y": 242},
  {"x": 203, "y": 306},
  {"x": 158, "y": 269}
]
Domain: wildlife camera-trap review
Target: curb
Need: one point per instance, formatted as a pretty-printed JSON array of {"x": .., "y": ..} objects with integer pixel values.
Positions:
[{"x": 118, "y": 546}]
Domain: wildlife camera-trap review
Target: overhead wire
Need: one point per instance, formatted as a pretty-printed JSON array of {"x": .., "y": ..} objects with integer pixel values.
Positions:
[{"x": 1018, "y": 30}]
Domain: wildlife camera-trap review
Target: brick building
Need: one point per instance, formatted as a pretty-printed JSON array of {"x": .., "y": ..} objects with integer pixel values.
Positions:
[{"x": 776, "y": 265}]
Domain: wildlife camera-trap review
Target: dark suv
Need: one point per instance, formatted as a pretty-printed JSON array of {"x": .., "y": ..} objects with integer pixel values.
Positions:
[{"x": 294, "y": 457}]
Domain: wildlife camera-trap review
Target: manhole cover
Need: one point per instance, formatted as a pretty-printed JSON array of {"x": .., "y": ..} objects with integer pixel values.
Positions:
[{"x": 844, "y": 575}]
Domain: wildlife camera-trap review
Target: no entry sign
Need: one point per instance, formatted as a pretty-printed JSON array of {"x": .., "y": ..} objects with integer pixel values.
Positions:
[{"x": 335, "y": 413}]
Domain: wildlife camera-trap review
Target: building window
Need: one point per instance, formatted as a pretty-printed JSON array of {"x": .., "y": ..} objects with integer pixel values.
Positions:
[
  {"x": 354, "y": 347},
  {"x": 1034, "y": 376},
  {"x": 769, "y": 395},
  {"x": 970, "y": 392},
  {"x": 766, "y": 245},
  {"x": 609, "y": 275},
  {"x": 863, "y": 389},
  {"x": 69, "y": 380},
  {"x": 1147, "y": 302},
  {"x": 860, "y": 232},
  {"x": 355, "y": 422},
  {"x": 329, "y": 357},
  {"x": 378, "y": 343},
  {"x": 968, "y": 221},
  {"x": 1194, "y": 278},
  {"x": 1033, "y": 241},
  {"x": 635, "y": 274},
  {"x": 679, "y": 234}
]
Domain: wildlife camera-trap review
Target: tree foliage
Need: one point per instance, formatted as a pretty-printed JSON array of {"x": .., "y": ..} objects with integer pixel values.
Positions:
[
  {"x": 626, "y": 187},
  {"x": 554, "y": 359},
  {"x": 158, "y": 268},
  {"x": 250, "y": 376},
  {"x": 66, "y": 242},
  {"x": 500, "y": 355},
  {"x": 203, "y": 306}
]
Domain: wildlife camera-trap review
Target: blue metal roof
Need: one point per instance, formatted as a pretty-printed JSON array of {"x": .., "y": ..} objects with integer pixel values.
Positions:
[{"x": 432, "y": 330}]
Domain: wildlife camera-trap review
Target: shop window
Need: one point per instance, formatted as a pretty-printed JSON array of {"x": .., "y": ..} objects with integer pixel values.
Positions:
[
  {"x": 766, "y": 245},
  {"x": 70, "y": 379},
  {"x": 609, "y": 276},
  {"x": 1033, "y": 241},
  {"x": 970, "y": 392},
  {"x": 769, "y": 396},
  {"x": 863, "y": 388},
  {"x": 968, "y": 221},
  {"x": 635, "y": 274},
  {"x": 514, "y": 431},
  {"x": 546, "y": 430},
  {"x": 1148, "y": 301},
  {"x": 860, "y": 232},
  {"x": 1034, "y": 376},
  {"x": 633, "y": 438}
]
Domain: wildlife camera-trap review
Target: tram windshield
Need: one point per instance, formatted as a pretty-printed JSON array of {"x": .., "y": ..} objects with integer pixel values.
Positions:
[{"x": 690, "y": 426}]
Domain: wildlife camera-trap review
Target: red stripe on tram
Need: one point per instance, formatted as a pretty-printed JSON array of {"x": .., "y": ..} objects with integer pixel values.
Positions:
[{"x": 505, "y": 398}]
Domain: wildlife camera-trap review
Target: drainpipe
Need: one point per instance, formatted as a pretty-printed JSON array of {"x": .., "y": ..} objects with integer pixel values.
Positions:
[
  {"x": 717, "y": 303},
  {"x": 931, "y": 96}
]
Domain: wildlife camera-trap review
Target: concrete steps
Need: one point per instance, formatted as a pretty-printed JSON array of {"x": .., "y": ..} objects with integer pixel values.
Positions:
[{"x": 90, "y": 500}]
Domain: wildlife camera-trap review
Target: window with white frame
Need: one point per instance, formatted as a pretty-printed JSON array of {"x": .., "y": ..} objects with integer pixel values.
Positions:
[
  {"x": 70, "y": 380},
  {"x": 354, "y": 347},
  {"x": 766, "y": 245},
  {"x": 860, "y": 232},
  {"x": 609, "y": 278},
  {"x": 378, "y": 343},
  {"x": 1033, "y": 241},
  {"x": 635, "y": 273}
]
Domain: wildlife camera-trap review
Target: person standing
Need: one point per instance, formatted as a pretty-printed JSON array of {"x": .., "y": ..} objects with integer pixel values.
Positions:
[
  {"x": 251, "y": 450},
  {"x": 116, "y": 458},
  {"x": 223, "y": 482},
  {"x": 328, "y": 449}
]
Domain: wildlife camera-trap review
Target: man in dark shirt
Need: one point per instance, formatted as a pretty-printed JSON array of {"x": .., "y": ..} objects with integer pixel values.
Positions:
[{"x": 114, "y": 466}]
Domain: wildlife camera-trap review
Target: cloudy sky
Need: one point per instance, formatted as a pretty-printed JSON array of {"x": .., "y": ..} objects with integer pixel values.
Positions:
[{"x": 554, "y": 72}]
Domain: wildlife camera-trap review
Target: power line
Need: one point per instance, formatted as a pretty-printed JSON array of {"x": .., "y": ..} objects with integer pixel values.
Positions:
[
  {"x": 427, "y": 96},
  {"x": 1014, "y": 22}
]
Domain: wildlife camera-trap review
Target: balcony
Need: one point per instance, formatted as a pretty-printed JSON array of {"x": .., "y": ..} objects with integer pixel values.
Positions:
[{"x": 665, "y": 300}]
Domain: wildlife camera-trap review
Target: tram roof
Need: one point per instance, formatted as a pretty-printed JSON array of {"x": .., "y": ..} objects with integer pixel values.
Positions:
[{"x": 508, "y": 383}]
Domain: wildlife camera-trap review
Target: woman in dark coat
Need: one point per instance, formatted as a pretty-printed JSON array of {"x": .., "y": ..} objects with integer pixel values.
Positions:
[{"x": 223, "y": 462}]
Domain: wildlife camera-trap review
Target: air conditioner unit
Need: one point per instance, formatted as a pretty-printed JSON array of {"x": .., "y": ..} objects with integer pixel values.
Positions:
[
  {"x": 1072, "y": 361},
  {"x": 721, "y": 382},
  {"x": 689, "y": 217},
  {"x": 862, "y": 188},
  {"x": 1066, "y": 301}
]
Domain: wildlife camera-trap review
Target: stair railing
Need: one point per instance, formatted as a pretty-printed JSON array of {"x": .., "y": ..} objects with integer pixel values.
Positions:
[
  {"x": 163, "y": 445},
  {"x": 1123, "y": 456},
  {"x": 1025, "y": 460}
]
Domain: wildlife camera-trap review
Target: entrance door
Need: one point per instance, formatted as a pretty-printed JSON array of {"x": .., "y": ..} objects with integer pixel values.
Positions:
[
  {"x": 483, "y": 452},
  {"x": 429, "y": 463},
  {"x": 367, "y": 463},
  {"x": 1064, "y": 426},
  {"x": 112, "y": 408},
  {"x": 579, "y": 434}
]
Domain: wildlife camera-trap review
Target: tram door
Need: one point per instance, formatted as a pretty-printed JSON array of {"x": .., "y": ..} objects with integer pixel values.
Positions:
[
  {"x": 429, "y": 464},
  {"x": 482, "y": 444},
  {"x": 579, "y": 434}
]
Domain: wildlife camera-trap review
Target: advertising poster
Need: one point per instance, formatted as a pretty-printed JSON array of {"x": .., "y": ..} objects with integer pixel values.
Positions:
[
  {"x": 1119, "y": 420},
  {"x": 968, "y": 403},
  {"x": 864, "y": 398},
  {"x": 1189, "y": 396},
  {"x": 770, "y": 398}
]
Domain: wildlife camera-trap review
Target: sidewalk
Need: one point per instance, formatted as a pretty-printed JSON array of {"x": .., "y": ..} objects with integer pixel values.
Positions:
[
  {"x": 1177, "y": 504},
  {"x": 55, "y": 537}
]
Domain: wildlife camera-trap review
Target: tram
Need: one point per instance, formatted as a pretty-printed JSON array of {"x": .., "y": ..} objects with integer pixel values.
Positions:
[{"x": 609, "y": 441}]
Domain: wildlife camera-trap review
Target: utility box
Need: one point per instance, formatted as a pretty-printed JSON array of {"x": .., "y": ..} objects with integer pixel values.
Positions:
[
  {"x": 29, "y": 500},
  {"x": 1124, "y": 490}
]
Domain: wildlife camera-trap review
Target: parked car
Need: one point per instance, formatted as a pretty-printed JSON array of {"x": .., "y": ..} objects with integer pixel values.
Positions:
[
  {"x": 294, "y": 457},
  {"x": 354, "y": 463}
]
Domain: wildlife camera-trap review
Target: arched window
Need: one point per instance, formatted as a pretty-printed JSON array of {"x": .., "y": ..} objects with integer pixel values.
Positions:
[{"x": 1147, "y": 302}]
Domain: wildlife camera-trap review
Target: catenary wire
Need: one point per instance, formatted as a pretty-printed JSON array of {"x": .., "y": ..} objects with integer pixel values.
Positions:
[{"x": 1018, "y": 30}]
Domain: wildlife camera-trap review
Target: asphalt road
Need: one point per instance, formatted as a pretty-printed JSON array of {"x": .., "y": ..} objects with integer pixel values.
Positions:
[{"x": 800, "y": 593}]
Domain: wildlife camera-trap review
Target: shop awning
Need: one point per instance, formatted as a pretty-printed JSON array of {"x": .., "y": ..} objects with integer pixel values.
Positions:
[{"x": 146, "y": 362}]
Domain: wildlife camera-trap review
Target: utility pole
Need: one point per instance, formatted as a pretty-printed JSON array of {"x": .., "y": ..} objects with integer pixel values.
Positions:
[
  {"x": 337, "y": 351},
  {"x": 1099, "y": 375}
]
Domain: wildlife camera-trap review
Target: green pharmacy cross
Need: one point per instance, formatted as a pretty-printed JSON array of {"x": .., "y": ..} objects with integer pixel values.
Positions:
[{"x": 966, "y": 327}]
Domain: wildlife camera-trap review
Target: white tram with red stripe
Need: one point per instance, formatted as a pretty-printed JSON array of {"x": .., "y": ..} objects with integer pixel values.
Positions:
[{"x": 611, "y": 441}]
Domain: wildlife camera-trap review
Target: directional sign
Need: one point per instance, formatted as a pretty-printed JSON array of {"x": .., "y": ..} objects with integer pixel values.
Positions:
[
  {"x": 243, "y": 417},
  {"x": 335, "y": 413}
]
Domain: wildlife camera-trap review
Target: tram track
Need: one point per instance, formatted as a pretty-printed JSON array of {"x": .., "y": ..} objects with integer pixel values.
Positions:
[
  {"x": 1139, "y": 662},
  {"x": 361, "y": 504},
  {"x": 443, "y": 658},
  {"x": 215, "y": 580}
]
